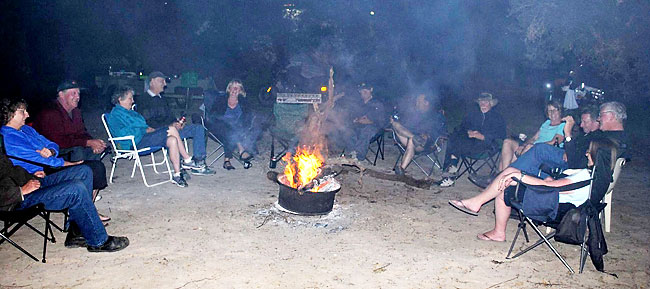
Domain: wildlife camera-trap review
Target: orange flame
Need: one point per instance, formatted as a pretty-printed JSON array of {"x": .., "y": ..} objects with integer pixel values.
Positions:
[{"x": 303, "y": 167}]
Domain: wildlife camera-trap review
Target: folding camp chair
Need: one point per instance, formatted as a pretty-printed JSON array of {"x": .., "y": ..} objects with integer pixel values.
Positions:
[
  {"x": 475, "y": 162},
  {"x": 134, "y": 155},
  {"x": 288, "y": 119},
  {"x": 517, "y": 203},
  {"x": 430, "y": 152},
  {"x": 218, "y": 143},
  {"x": 607, "y": 212},
  {"x": 378, "y": 139},
  {"x": 14, "y": 220}
]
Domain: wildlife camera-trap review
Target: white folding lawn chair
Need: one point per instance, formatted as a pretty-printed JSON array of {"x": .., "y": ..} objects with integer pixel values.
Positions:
[{"x": 134, "y": 155}]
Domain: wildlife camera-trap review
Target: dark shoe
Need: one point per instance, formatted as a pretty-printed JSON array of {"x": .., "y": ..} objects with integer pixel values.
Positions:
[
  {"x": 480, "y": 181},
  {"x": 179, "y": 181},
  {"x": 112, "y": 244},
  {"x": 228, "y": 166},
  {"x": 399, "y": 171},
  {"x": 192, "y": 165},
  {"x": 73, "y": 240},
  {"x": 247, "y": 164},
  {"x": 204, "y": 171}
]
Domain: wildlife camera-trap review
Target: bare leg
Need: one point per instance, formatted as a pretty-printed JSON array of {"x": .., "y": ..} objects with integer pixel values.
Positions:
[
  {"x": 492, "y": 191},
  {"x": 508, "y": 153},
  {"x": 173, "y": 132},
  {"x": 174, "y": 157},
  {"x": 408, "y": 154}
]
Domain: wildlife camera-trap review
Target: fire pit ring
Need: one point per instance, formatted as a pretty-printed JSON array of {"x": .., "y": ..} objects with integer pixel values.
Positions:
[{"x": 305, "y": 202}]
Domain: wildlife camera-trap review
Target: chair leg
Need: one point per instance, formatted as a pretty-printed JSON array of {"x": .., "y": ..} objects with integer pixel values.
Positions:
[
  {"x": 543, "y": 239},
  {"x": 110, "y": 180},
  {"x": 18, "y": 247},
  {"x": 607, "y": 212}
]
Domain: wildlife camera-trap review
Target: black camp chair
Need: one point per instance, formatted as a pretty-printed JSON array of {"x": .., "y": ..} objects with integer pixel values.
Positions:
[
  {"x": 429, "y": 154},
  {"x": 14, "y": 220},
  {"x": 515, "y": 200}
]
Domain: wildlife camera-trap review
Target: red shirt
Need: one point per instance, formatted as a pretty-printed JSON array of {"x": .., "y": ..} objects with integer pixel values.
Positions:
[{"x": 55, "y": 124}]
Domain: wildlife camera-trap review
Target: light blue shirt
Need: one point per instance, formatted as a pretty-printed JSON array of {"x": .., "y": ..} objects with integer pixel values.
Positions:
[{"x": 547, "y": 132}]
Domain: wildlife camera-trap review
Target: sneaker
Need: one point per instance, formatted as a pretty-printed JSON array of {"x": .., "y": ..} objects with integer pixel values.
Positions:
[
  {"x": 447, "y": 182},
  {"x": 179, "y": 181},
  {"x": 191, "y": 165},
  {"x": 203, "y": 171},
  {"x": 112, "y": 244}
]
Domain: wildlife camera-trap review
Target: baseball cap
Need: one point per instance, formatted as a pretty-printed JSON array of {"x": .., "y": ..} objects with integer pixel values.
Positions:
[{"x": 67, "y": 84}]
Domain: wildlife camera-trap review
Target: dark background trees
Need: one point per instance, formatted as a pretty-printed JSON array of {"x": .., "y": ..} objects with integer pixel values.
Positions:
[{"x": 455, "y": 48}]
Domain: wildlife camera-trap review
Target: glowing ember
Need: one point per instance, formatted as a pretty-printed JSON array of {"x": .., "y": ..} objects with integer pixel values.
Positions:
[{"x": 303, "y": 167}]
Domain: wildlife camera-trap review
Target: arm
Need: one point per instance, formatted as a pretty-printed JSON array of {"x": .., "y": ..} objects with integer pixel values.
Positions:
[{"x": 22, "y": 147}]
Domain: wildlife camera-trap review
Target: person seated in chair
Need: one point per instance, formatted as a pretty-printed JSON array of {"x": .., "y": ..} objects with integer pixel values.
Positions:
[
  {"x": 602, "y": 177},
  {"x": 551, "y": 132},
  {"x": 418, "y": 127},
  {"x": 229, "y": 119},
  {"x": 34, "y": 152},
  {"x": 368, "y": 117},
  {"x": 123, "y": 121},
  {"x": 62, "y": 123},
  {"x": 478, "y": 132},
  {"x": 158, "y": 115},
  {"x": 66, "y": 190}
]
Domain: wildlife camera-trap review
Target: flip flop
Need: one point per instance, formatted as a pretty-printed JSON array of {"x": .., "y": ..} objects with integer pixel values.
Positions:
[
  {"x": 104, "y": 218},
  {"x": 484, "y": 237},
  {"x": 461, "y": 207}
]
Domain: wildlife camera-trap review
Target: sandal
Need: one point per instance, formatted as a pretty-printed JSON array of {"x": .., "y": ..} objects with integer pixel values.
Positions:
[
  {"x": 104, "y": 218},
  {"x": 228, "y": 166},
  {"x": 245, "y": 159}
]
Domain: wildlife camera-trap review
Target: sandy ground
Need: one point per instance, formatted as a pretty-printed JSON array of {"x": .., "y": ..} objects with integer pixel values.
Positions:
[{"x": 225, "y": 232}]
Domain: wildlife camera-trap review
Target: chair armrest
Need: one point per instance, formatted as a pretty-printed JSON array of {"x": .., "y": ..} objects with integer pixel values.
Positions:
[{"x": 128, "y": 137}]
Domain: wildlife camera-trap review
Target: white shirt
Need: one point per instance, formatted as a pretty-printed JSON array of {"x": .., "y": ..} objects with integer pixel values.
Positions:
[{"x": 577, "y": 196}]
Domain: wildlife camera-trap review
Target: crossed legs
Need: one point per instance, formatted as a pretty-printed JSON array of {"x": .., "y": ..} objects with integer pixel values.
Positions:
[
  {"x": 502, "y": 211},
  {"x": 176, "y": 148},
  {"x": 405, "y": 137}
]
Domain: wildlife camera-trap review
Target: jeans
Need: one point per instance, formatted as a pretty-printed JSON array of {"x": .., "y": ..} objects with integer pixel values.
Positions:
[
  {"x": 71, "y": 189},
  {"x": 197, "y": 133},
  {"x": 358, "y": 139},
  {"x": 540, "y": 154}
]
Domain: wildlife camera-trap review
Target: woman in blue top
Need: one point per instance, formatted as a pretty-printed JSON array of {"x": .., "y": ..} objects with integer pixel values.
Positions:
[
  {"x": 551, "y": 132},
  {"x": 123, "y": 121}
]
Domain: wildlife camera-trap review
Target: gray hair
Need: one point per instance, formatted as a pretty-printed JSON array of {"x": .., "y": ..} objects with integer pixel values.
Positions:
[
  {"x": 120, "y": 93},
  {"x": 617, "y": 108}
]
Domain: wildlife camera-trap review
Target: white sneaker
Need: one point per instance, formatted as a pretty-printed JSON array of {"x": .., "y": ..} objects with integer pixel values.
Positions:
[{"x": 447, "y": 182}]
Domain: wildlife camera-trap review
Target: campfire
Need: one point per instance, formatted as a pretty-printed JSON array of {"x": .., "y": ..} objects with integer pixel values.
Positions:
[{"x": 303, "y": 170}]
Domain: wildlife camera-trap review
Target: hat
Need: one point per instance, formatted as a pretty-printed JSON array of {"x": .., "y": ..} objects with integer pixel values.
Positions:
[
  {"x": 155, "y": 74},
  {"x": 487, "y": 96},
  {"x": 365, "y": 85},
  {"x": 67, "y": 84}
]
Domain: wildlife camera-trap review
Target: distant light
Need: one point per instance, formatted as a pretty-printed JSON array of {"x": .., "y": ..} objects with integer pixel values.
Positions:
[
  {"x": 323, "y": 88},
  {"x": 268, "y": 90},
  {"x": 548, "y": 85},
  {"x": 165, "y": 3},
  {"x": 372, "y": 12}
]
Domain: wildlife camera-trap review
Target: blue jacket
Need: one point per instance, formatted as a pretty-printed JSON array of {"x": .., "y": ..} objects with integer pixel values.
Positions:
[
  {"x": 124, "y": 122},
  {"x": 24, "y": 142}
]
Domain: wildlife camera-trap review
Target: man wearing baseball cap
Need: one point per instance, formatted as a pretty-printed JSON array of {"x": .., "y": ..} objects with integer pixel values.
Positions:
[
  {"x": 61, "y": 122},
  {"x": 158, "y": 114}
]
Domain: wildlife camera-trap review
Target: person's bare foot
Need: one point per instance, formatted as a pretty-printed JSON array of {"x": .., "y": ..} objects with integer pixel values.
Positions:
[{"x": 491, "y": 236}]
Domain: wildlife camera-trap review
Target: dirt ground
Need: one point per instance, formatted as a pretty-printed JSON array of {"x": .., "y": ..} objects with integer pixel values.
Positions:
[{"x": 224, "y": 231}]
